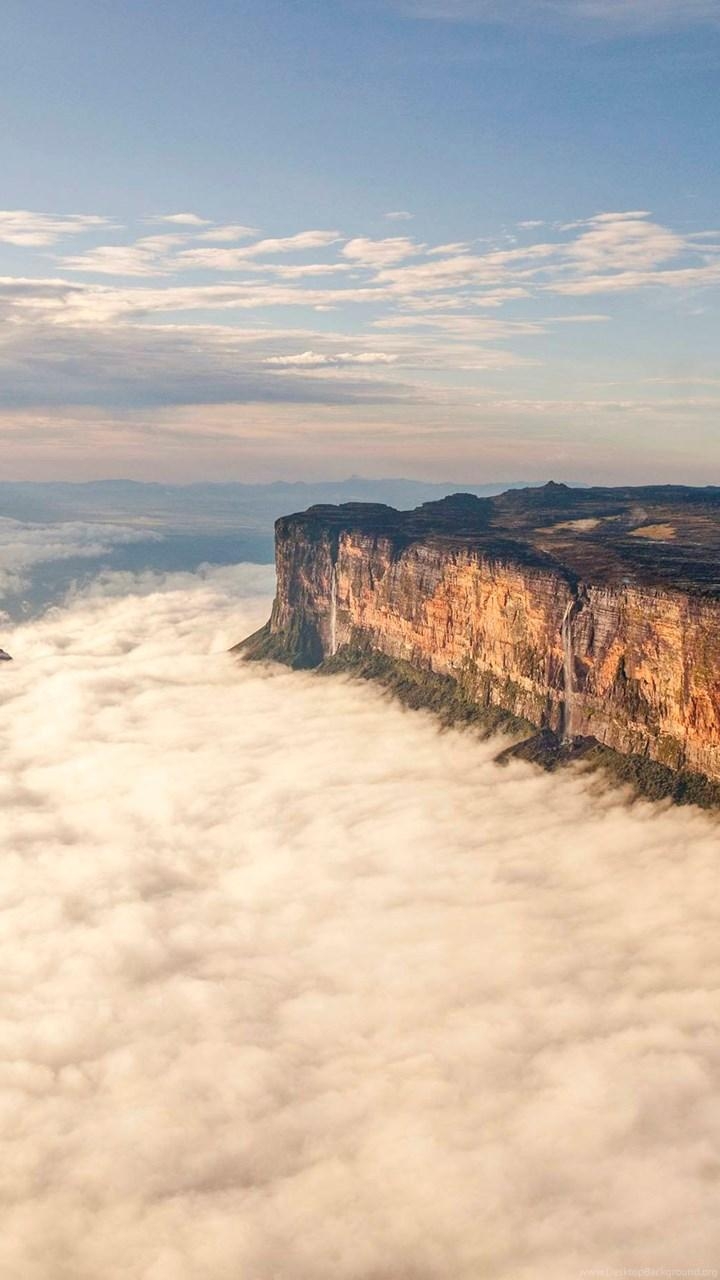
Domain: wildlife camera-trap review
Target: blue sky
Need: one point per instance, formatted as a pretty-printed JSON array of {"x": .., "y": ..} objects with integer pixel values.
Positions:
[{"x": 451, "y": 238}]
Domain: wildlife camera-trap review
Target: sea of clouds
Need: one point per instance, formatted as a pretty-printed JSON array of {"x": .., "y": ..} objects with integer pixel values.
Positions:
[
  {"x": 25, "y": 545},
  {"x": 296, "y": 987}
]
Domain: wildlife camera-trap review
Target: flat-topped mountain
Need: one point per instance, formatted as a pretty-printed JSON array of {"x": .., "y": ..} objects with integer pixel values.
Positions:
[
  {"x": 592, "y": 615},
  {"x": 656, "y": 534}
]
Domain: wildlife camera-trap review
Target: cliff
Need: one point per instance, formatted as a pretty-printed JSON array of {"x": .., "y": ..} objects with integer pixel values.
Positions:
[{"x": 591, "y": 614}]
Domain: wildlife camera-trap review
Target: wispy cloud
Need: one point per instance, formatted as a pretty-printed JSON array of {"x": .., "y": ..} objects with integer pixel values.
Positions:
[
  {"x": 152, "y": 366},
  {"x": 35, "y": 230},
  {"x": 627, "y": 15},
  {"x": 146, "y": 257},
  {"x": 380, "y": 253},
  {"x": 24, "y": 545},
  {"x": 181, "y": 219},
  {"x": 226, "y": 259},
  {"x": 227, "y": 232},
  {"x": 162, "y": 319},
  {"x": 332, "y": 360}
]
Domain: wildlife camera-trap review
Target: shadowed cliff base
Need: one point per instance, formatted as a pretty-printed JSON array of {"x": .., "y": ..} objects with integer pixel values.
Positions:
[
  {"x": 424, "y": 690},
  {"x": 643, "y": 776},
  {"x": 294, "y": 646},
  {"x": 454, "y": 708}
]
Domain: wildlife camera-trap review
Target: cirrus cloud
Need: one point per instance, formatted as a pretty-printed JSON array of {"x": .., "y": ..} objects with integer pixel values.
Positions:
[
  {"x": 624, "y": 15},
  {"x": 36, "y": 230}
]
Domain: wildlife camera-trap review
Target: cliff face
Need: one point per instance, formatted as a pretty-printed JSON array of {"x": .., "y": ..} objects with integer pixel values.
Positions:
[{"x": 632, "y": 663}]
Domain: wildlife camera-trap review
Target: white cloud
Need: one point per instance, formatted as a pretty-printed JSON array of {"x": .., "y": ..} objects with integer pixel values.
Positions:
[
  {"x": 399, "y": 215},
  {"x": 226, "y": 259},
  {"x": 35, "y": 230},
  {"x": 182, "y": 219},
  {"x": 631, "y": 281},
  {"x": 380, "y": 253},
  {"x": 275, "y": 1004},
  {"x": 139, "y": 259},
  {"x": 131, "y": 366},
  {"x": 24, "y": 545},
  {"x": 146, "y": 334},
  {"x": 621, "y": 241},
  {"x": 318, "y": 359},
  {"x": 454, "y": 247},
  {"x": 229, "y": 231}
]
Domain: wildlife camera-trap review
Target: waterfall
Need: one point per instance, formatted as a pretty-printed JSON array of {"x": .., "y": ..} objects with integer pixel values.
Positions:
[
  {"x": 333, "y": 610},
  {"x": 569, "y": 673}
]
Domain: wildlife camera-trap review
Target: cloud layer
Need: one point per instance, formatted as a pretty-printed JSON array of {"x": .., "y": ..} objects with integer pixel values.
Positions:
[
  {"x": 24, "y": 545},
  {"x": 157, "y": 327},
  {"x": 295, "y": 986},
  {"x": 170, "y": 318}
]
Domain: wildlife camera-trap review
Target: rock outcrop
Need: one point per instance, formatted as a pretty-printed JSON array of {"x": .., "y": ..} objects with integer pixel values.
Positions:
[{"x": 564, "y": 608}]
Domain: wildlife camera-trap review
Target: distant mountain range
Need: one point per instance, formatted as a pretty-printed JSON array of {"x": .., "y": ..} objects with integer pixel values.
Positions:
[{"x": 216, "y": 507}]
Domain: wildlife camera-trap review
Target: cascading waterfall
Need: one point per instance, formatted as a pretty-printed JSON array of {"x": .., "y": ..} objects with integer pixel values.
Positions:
[
  {"x": 333, "y": 610},
  {"x": 569, "y": 674}
]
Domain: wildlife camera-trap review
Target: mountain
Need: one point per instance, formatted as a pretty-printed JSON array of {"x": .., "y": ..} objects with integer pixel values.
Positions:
[
  {"x": 589, "y": 615},
  {"x": 208, "y": 507}
]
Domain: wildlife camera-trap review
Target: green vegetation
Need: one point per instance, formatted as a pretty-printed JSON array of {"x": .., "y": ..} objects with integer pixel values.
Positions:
[
  {"x": 454, "y": 705},
  {"x": 424, "y": 690},
  {"x": 643, "y": 776},
  {"x": 654, "y": 780}
]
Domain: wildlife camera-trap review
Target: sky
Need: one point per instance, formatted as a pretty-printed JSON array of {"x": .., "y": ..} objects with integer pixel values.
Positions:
[
  {"x": 277, "y": 1005},
  {"x": 446, "y": 239}
]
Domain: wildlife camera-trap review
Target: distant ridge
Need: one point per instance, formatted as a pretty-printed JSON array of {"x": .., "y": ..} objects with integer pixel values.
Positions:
[{"x": 230, "y": 505}]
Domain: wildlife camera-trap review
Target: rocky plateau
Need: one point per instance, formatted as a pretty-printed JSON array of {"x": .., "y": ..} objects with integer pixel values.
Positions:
[{"x": 575, "y": 617}]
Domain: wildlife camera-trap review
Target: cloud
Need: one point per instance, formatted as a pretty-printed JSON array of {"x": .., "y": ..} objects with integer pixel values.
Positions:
[
  {"x": 622, "y": 15},
  {"x": 380, "y": 253},
  {"x": 450, "y": 249},
  {"x": 155, "y": 366},
  {"x": 24, "y": 545},
  {"x": 631, "y": 281},
  {"x": 399, "y": 215},
  {"x": 278, "y": 1004},
  {"x": 155, "y": 255},
  {"x": 140, "y": 259},
  {"x": 125, "y": 326},
  {"x": 230, "y": 231},
  {"x": 623, "y": 241},
  {"x": 339, "y": 359},
  {"x": 33, "y": 230},
  {"x": 182, "y": 219},
  {"x": 226, "y": 259},
  {"x": 69, "y": 303}
]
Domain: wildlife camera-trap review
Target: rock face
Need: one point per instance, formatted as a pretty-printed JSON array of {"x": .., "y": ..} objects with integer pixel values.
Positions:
[{"x": 553, "y": 604}]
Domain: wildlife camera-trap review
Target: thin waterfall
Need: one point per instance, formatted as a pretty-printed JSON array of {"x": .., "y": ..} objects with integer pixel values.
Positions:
[
  {"x": 569, "y": 674},
  {"x": 333, "y": 610}
]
